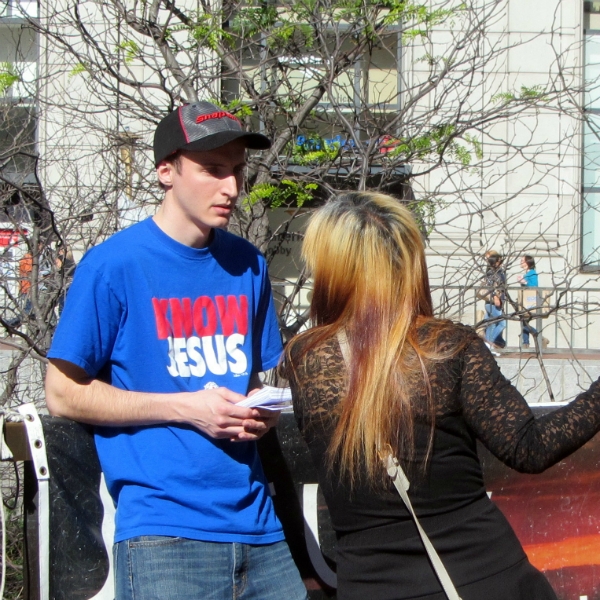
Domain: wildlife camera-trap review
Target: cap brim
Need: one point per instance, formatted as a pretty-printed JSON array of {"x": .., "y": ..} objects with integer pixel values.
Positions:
[{"x": 253, "y": 141}]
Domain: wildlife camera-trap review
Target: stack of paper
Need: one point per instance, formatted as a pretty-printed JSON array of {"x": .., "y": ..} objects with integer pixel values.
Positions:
[{"x": 269, "y": 397}]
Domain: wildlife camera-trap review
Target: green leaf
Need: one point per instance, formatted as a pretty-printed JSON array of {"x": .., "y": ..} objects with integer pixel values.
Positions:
[
  {"x": 236, "y": 107},
  {"x": 287, "y": 193},
  {"x": 251, "y": 20},
  {"x": 475, "y": 144},
  {"x": 314, "y": 150},
  {"x": 259, "y": 193},
  {"x": 78, "y": 69},
  {"x": 8, "y": 77},
  {"x": 207, "y": 33},
  {"x": 130, "y": 49},
  {"x": 534, "y": 95}
]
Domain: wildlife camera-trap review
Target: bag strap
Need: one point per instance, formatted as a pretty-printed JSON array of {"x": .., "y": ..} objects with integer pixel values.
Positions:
[
  {"x": 344, "y": 346},
  {"x": 402, "y": 484}
]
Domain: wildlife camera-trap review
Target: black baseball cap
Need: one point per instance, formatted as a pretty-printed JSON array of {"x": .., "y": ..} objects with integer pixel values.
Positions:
[{"x": 201, "y": 126}]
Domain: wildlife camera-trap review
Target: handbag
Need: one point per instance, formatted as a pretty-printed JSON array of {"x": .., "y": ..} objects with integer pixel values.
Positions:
[{"x": 401, "y": 483}]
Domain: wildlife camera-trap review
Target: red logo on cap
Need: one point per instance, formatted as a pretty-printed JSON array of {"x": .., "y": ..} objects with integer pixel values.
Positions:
[{"x": 216, "y": 115}]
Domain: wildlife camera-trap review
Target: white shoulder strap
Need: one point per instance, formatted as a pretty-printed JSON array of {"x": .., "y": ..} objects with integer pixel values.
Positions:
[
  {"x": 344, "y": 347},
  {"x": 402, "y": 484}
]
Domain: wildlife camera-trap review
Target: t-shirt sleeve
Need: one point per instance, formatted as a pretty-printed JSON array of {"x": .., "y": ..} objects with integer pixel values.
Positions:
[
  {"x": 266, "y": 336},
  {"x": 89, "y": 323}
]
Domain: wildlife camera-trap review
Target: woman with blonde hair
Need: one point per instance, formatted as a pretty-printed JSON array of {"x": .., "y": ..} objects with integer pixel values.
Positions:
[{"x": 422, "y": 390}]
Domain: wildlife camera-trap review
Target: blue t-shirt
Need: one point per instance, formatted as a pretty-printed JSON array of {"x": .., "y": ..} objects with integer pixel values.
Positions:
[
  {"x": 530, "y": 279},
  {"x": 146, "y": 313}
]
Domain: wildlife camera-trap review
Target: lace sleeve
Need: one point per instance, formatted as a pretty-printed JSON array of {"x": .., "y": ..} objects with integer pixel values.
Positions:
[
  {"x": 317, "y": 382},
  {"x": 501, "y": 418}
]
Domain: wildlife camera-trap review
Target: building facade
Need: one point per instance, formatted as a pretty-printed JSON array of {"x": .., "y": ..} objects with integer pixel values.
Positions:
[{"x": 483, "y": 118}]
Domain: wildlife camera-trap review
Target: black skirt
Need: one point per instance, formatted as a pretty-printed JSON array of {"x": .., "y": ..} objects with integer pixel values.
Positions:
[
  {"x": 476, "y": 544},
  {"x": 521, "y": 582}
]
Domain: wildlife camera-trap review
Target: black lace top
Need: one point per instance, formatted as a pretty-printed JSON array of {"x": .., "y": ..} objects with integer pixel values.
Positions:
[{"x": 377, "y": 540}]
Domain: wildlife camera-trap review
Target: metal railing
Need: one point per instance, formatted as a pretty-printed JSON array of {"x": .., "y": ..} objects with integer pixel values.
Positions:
[{"x": 566, "y": 317}]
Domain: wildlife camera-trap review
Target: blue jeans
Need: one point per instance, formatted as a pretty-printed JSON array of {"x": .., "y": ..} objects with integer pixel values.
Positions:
[
  {"x": 527, "y": 329},
  {"x": 171, "y": 568},
  {"x": 493, "y": 332}
]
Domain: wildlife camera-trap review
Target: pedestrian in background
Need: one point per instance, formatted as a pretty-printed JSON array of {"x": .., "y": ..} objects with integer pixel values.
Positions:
[
  {"x": 65, "y": 265},
  {"x": 494, "y": 295},
  {"x": 528, "y": 279}
]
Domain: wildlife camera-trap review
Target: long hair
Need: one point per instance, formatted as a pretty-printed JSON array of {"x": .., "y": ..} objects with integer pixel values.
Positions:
[{"x": 366, "y": 256}]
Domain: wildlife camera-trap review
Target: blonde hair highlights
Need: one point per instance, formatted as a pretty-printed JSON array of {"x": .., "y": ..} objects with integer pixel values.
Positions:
[{"x": 366, "y": 255}]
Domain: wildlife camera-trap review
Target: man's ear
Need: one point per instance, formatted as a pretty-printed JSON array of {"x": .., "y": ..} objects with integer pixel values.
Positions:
[{"x": 164, "y": 170}]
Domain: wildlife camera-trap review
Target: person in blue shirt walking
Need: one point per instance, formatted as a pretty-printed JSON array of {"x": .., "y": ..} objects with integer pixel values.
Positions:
[{"x": 528, "y": 279}]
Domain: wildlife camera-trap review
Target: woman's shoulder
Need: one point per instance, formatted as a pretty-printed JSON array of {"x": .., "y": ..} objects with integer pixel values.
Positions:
[
  {"x": 446, "y": 333},
  {"x": 307, "y": 356},
  {"x": 310, "y": 341}
]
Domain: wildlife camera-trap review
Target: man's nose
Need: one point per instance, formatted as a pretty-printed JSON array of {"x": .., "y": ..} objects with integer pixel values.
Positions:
[{"x": 231, "y": 186}]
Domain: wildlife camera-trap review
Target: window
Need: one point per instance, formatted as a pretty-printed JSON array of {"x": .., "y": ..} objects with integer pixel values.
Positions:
[
  {"x": 361, "y": 93},
  {"x": 590, "y": 214},
  {"x": 18, "y": 9},
  {"x": 18, "y": 119}
]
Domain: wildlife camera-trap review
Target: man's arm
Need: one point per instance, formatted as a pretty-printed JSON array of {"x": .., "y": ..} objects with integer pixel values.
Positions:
[{"x": 72, "y": 393}]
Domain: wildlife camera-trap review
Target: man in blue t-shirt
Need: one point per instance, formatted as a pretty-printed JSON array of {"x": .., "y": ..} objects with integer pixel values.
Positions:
[{"x": 165, "y": 329}]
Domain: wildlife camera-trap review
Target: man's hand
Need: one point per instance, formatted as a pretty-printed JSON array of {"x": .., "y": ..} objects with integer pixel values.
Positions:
[
  {"x": 215, "y": 412},
  {"x": 268, "y": 418}
]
